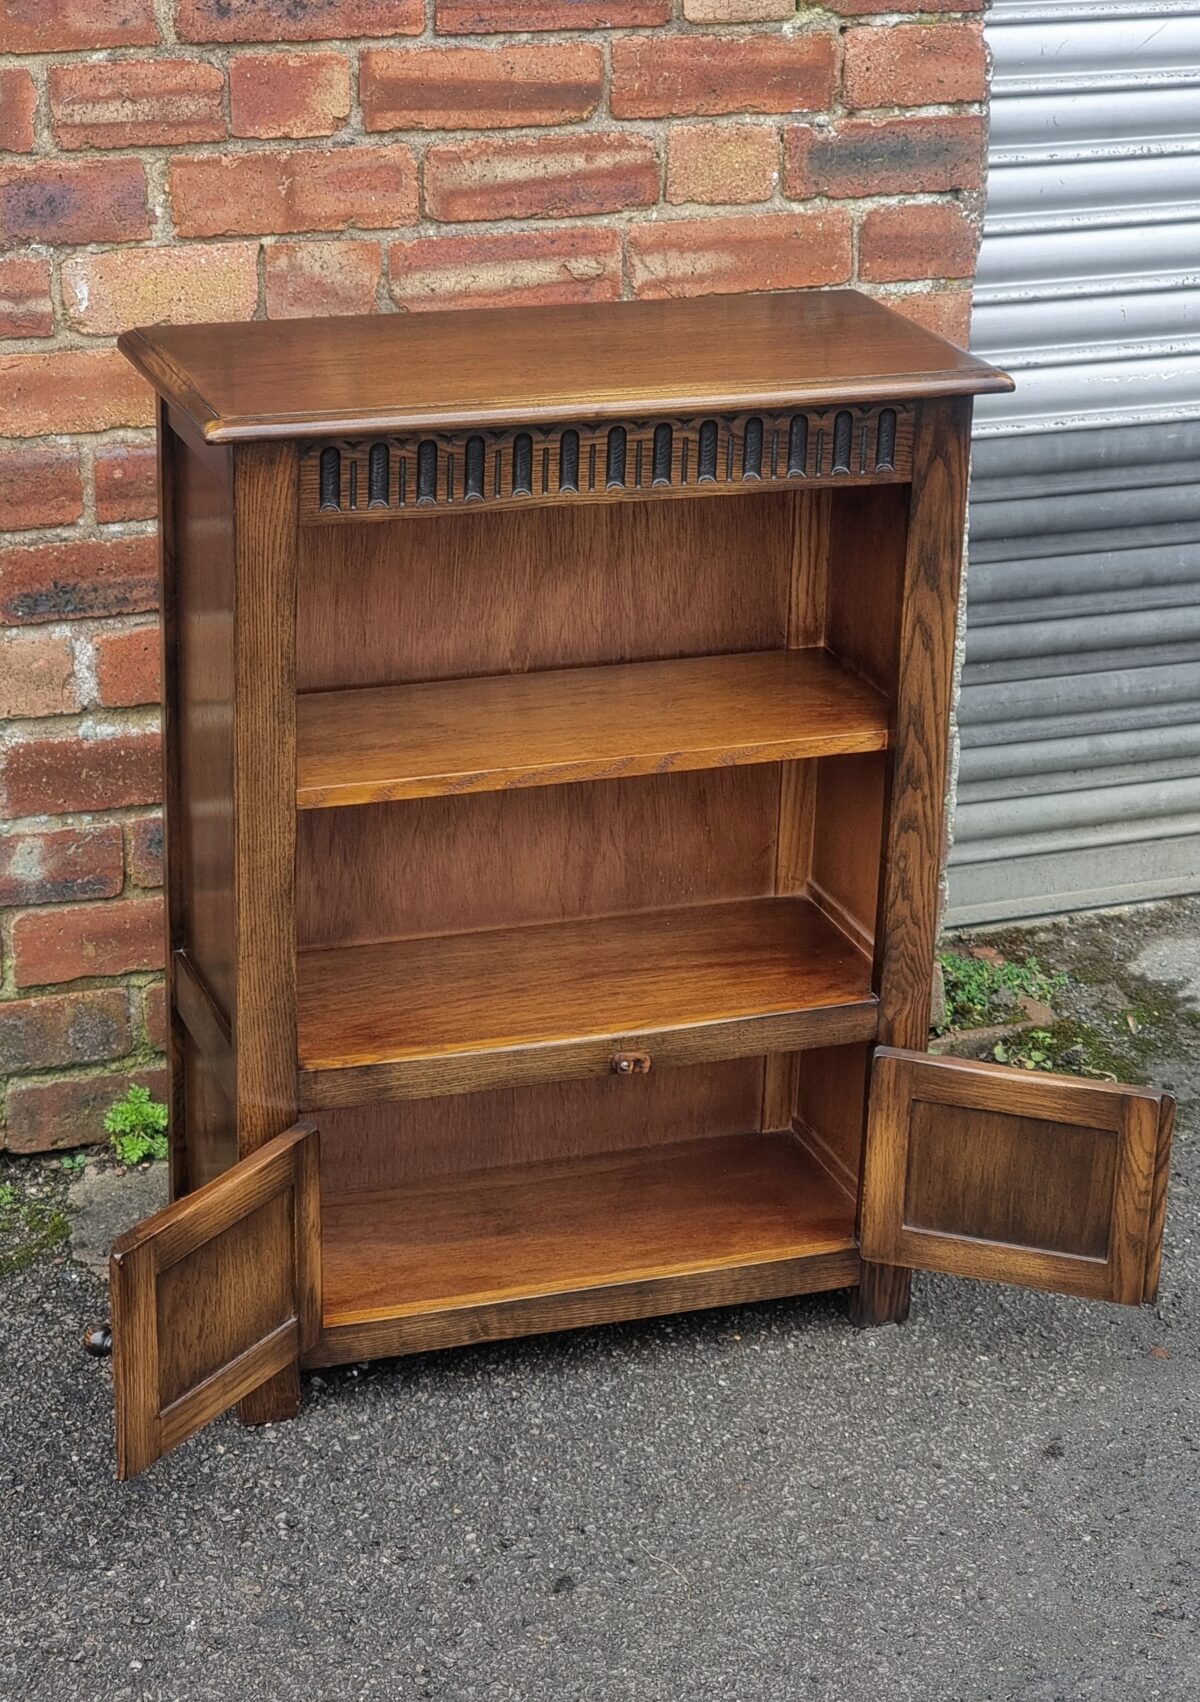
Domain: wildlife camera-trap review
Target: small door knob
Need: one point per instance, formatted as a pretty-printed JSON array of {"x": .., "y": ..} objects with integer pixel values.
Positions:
[
  {"x": 98, "y": 1340},
  {"x": 632, "y": 1063}
]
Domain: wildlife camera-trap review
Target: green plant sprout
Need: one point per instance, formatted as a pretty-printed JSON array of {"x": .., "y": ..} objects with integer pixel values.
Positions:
[
  {"x": 979, "y": 993},
  {"x": 137, "y": 1127}
]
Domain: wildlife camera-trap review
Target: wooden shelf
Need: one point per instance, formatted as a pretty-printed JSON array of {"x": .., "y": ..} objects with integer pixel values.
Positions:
[
  {"x": 484, "y": 735},
  {"x": 496, "y": 1238},
  {"x": 449, "y": 1014}
]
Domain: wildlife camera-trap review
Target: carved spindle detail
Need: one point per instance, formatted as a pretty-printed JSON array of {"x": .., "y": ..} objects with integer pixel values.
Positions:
[{"x": 331, "y": 479}]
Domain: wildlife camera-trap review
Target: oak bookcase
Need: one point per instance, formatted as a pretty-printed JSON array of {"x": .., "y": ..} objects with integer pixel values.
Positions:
[{"x": 556, "y": 720}]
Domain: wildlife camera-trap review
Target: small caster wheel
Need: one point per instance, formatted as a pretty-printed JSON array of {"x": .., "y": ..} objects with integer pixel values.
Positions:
[{"x": 98, "y": 1340}]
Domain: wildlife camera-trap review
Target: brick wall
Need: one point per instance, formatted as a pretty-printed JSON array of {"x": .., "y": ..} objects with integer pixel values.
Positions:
[{"x": 233, "y": 159}]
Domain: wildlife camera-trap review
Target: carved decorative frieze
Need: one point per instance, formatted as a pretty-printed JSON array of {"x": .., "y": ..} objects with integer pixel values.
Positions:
[{"x": 381, "y": 478}]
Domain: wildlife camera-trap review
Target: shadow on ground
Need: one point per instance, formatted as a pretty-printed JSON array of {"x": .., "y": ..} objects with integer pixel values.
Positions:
[{"x": 997, "y": 1503}]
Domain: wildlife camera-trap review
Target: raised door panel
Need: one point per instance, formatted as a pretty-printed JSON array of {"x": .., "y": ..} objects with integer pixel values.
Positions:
[
  {"x": 982, "y": 1171},
  {"x": 214, "y": 1296}
]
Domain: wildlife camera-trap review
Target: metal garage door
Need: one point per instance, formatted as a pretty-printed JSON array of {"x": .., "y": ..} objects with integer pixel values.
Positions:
[{"x": 1080, "y": 713}]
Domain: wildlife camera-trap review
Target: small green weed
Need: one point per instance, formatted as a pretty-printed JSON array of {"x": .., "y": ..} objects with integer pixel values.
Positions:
[
  {"x": 980, "y": 992},
  {"x": 137, "y": 1127},
  {"x": 1033, "y": 1050},
  {"x": 73, "y": 1161}
]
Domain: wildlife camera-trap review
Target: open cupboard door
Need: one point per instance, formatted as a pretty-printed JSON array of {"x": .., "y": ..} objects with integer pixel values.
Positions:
[
  {"x": 214, "y": 1296},
  {"x": 984, "y": 1171}
]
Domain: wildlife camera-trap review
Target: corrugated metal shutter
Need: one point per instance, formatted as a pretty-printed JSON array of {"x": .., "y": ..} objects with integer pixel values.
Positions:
[{"x": 1080, "y": 716}]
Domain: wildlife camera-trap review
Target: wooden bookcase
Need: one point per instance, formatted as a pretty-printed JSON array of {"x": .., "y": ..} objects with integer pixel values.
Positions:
[{"x": 557, "y": 713}]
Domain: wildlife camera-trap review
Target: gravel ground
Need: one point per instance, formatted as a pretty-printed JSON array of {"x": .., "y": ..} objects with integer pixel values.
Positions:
[{"x": 997, "y": 1503}]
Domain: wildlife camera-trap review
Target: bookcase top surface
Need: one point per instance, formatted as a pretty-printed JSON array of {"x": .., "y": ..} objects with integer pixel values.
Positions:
[{"x": 509, "y": 366}]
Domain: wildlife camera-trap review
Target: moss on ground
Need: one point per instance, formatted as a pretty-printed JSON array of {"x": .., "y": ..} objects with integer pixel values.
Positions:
[{"x": 30, "y": 1225}]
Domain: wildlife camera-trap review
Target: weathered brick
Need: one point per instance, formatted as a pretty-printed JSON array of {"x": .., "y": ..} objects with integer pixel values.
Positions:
[
  {"x": 915, "y": 241},
  {"x": 721, "y": 162},
  {"x": 482, "y": 17},
  {"x": 128, "y": 670},
  {"x": 51, "y": 776},
  {"x": 738, "y": 11},
  {"x": 71, "y": 390},
  {"x": 144, "y": 850},
  {"x": 154, "y": 1016},
  {"x": 369, "y": 188},
  {"x": 296, "y": 20},
  {"x": 896, "y": 156},
  {"x": 480, "y": 88},
  {"x": 71, "y": 941},
  {"x": 866, "y": 8},
  {"x": 37, "y": 675},
  {"x": 914, "y": 65},
  {"x": 136, "y": 103},
  {"x": 78, "y": 578},
  {"x": 18, "y": 108},
  {"x": 765, "y": 251},
  {"x": 540, "y": 177},
  {"x": 65, "y": 26},
  {"x": 126, "y": 477},
  {"x": 527, "y": 268},
  {"x": 63, "y": 866},
  {"x": 68, "y": 201},
  {"x": 64, "y": 1028},
  {"x": 50, "y": 1116},
  {"x": 39, "y": 486},
  {"x": 661, "y": 76},
  {"x": 312, "y": 279},
  {"x": 946, "y": 312},
  {"x": 289, "y": 94},
  {"x": 104, "y": 293},
  {"x": 26, "y": 309}
]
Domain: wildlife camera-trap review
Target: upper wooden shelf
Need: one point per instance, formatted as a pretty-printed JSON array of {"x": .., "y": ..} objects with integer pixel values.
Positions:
[
  {"x": 511, "y": 366},
  {"x": 486, "y": 735}
]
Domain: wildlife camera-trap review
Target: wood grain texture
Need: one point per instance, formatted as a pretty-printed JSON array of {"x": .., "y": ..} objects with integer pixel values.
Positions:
[
  {"x": 513, "y": 366},
  {"x": 491, "y": 1236},
  {"x": 475, "y": 594},
  {"x": 214, "y": 1296},
  {"x": 173, "y": 872},
  {"x": 483, "y": 735},
  {"x": 983, "y": 1171},
  {"x": 478, "y": 1010}
]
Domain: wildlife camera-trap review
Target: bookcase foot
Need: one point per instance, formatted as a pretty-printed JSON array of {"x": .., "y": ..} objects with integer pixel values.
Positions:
[
  {"x": 882, "y": 1296},
  {"x": 275, "y": 1400}
]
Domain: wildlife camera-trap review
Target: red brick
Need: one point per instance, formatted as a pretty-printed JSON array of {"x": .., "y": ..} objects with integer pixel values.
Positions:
[
  {"x": 50, "y": 1116},
  {"x": 137, "y": 103},
  {"x": 18, "y": 108},
  {"x": 311, "y": 279},
  {"x": 480, "y": 88},
  {"x": 64, "y": 26},
  {"x": 483, "y": 17},
  {"x": 37, "y": 675},
  {"x": 721, "y": 162},
  {"x": 527, "y": 268},
  {"x": 657, "y": 76},
  {"x": 128, "y": 668},
  {"x": 144, "y": 851},
  {"x": 26, "y": 309},
  {"x": 154, "y": 1016},
  {"x": 78, "y": 578},
  {"x": 67, "y": 943},
  {"x": 914, "y": 65},
  {"x": 71, "y": 390},
  {"x": 946, "y": 312},
  {"x": 925, "y": 240},
  {"x": 296, "y": 20},
  {"x": 53, "y": 776},
  {"x": 126, "y": 482},
  {"x": 64, "y": 866},
  {"x": 65, "y": 1028},
  {"x": 104, "y": 293},
  {"x": 541, "y": 177},
  {"x": 39, "y": 487},
  {"x": 766, "y": 251},
  {"x": 338, "y": 189},
  {"x": 898, "y": 156},
  {"x": 289, "y": 94},
  {"x": 68, "y": 201},
  {"x": 738, "y": 11}
]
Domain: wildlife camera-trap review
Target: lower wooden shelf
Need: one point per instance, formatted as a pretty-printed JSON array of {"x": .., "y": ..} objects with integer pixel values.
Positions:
[
  {"x": 561, "y": 1244},
  {"x": 462, "y": 1012}
]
